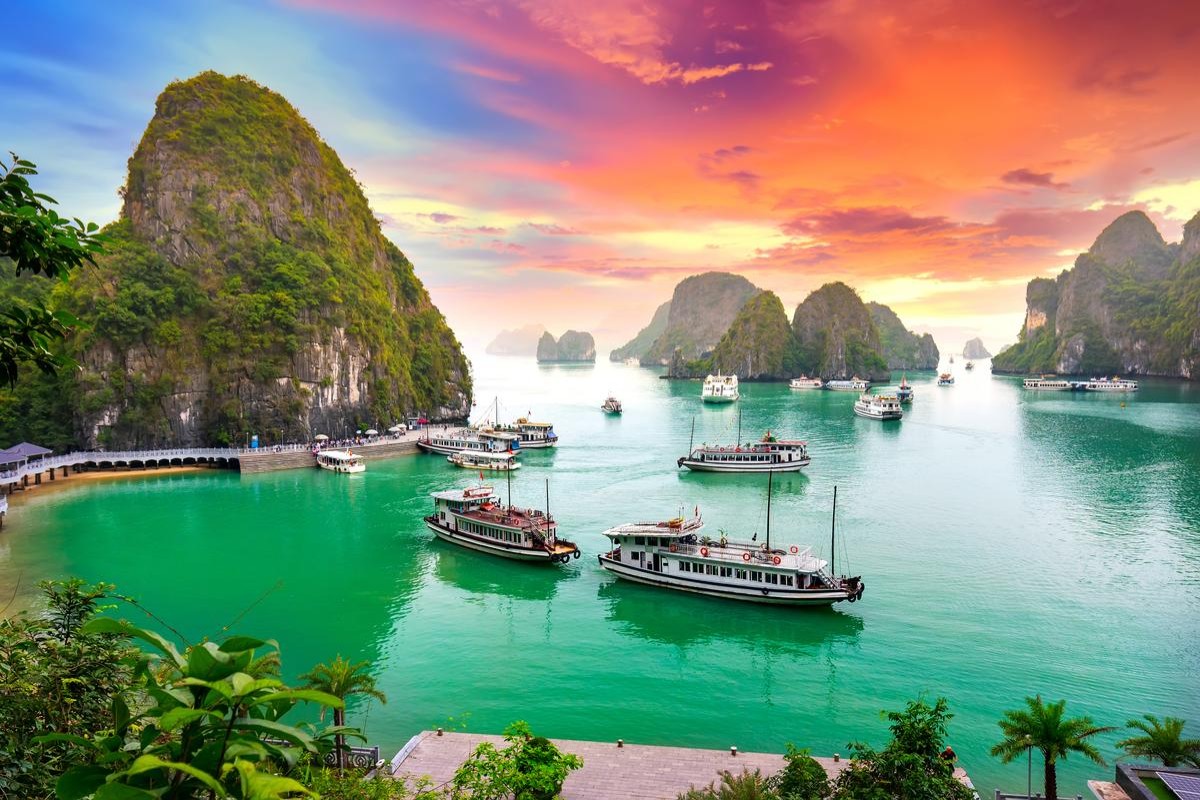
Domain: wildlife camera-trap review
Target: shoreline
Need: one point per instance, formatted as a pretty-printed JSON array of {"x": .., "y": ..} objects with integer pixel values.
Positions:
[{"x": 21, "y": 496}]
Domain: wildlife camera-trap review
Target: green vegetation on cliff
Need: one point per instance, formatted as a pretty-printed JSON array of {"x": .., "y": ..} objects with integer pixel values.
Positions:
[
  {"x": 1131, "y": 304},
  {"x": 702, "y": 309},
  {"x": 758, "y": 344},
  {"x": 249, "y": 288},
  {"x": 639, "y": 345},
  {"x": 836, "y": 337},
  {"x": 902, "y": 349}
]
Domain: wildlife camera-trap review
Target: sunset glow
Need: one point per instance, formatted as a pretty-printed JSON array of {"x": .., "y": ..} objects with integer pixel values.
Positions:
[{"x": 580, "y": 158}]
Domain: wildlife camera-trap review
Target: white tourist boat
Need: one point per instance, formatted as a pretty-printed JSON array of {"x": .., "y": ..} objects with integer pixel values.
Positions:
[
  {"x": 904, "y": 393},
  {"x": 611, "y": 406},
  {"x": 476, "y": 519},
  {"x": 675, "y": 555},
  {"x": 805, "y": 382},
  {"x": 1109, "y": 385},
  {"x": 340, "y": 461},
  {"x": 720, "y": 389},
  {"x": 767, "y": 455},
  {"x": 481, "y": 441},
  {"x": 945, "y": 379},
  {"x": 855, "y": 384},
  {"x": 490, "y": 462},
  {"x": 1049, "y": 384},
  {"x": 878, "y": 406},
  {"x": 533, "y": 435}
]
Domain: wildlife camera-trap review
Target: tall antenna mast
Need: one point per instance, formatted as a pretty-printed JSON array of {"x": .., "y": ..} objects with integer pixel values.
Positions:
[
  {"x": 833, "y": 534},
  {"x": 509, "y": 471},
  {"x": 547, "y": 505},
  {"x": 692, "y": 438},
  {"x": 770, "y": 479},
  {"x": 739, "y": 439}
]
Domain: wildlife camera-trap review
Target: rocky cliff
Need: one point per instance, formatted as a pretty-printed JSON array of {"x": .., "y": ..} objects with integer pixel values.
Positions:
[
  {"x": 902, "y": 349},
  {"x": 1130, "y": 305},
  {"x": 835, "y": 336},
  {"x": 573, "y": 346},
  {"x": 248, "y": 288},
  {"x": 702, "y": 308},
  {"x": 975, "y": 349},
  {"x": 638, "y": 346},
  {"x": 757, "y": 346},
  {"x": 516, "y": 342}
]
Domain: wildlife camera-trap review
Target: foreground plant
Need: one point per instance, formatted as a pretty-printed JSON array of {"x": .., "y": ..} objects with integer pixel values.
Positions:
[
  {"x": 1043, "y": 727},
  {"x": 747, "y": 786},
  {"x": 530, "y": 768},
  {"x": 341, "y": 679},
  {"x": 1162, "y": 741},
  {"x": 802, "y": 779}
]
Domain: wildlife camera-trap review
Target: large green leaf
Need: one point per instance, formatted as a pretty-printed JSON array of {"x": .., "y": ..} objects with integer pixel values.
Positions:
[
  {"x": 238, "y": 643},
  {"x": 308, "y": 695},
  {"x": 264, "y": 786},
  {"x": 178, "y": 717},
  {"x": 286, "y": 732},
  {"x": 123, "y": 628},
  {"x": 121, "y": 791},
  {"x": 149, "y": 763},
  {"x": 79, "y": 782},
  {"x": 65, "y": 737}
]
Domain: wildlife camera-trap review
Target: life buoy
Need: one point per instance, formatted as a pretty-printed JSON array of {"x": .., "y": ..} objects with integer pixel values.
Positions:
[
  {"x": 745, "y": 556},
  {"x": 776, "y": 561},
  {"x": 576, "y": 554},
  {"x": 704, "y": 552},
  {"x": 794, "y": 549}
]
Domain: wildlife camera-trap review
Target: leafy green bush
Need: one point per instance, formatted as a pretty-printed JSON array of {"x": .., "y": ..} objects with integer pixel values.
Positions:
[
  {"x": 747, "y": 786},
  {"x": 802, "y": 779},
  {"x": 530, "y": 768}
]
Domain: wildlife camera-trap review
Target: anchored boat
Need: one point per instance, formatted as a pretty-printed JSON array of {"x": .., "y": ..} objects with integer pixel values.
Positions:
[
  {"x": 1109, "y": 385},
  {"x": 340, "y": 461},
  {"x": 769, "y": 454},
  {"x": 805, "y": 382},
  {"x": 945, "y": 379},
  {"x": 878, "y": 406},
  {"x": 675, "y": 555},
  {"x": 970, "y": 365},
  {"x": 483, "y": 441},
  {"x": 532, "y": 435},
  {"x": 492, "y": 462},
  {"x": 611, "y": 406},
  {"x": 855, "y": 384},
  {"x": 720, "y": 389},
  {"x": 1049, "y": 384},
  {"x": 474, "y": 518},
  {"x": 905, "y": 392}
]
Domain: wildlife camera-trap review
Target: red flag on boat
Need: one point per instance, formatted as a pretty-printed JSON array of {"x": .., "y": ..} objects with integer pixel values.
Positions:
[{"x": 481, "y": 476}]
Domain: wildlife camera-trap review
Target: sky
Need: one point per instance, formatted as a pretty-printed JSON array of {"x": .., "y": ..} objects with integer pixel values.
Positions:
[{"x": 567, "y": 162}]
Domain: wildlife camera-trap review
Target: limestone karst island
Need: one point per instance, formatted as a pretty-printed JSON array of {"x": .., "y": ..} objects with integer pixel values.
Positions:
[{"x": 535, "y": 400}]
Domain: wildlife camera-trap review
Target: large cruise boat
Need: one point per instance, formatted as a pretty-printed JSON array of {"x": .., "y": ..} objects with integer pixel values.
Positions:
[
  {"x": 855, "y": 384},
  {"x": 491, "y": 462},
  {"x": 767, "y": 455},
  {"x": 1049, "y": 384},
  {"x": 1109, "y": 385},
  {"x": 474, "y": 518},
  {"x": 533, "y": 435},
  {"x": 481, "y": 441},
  {"x": 675, "y": 555},
  {"x": 878, "y": 406},
  {"x": 720, "y": 389},
  {"x": 805, "y": 382},
  {"x": 340, "y": 461}
]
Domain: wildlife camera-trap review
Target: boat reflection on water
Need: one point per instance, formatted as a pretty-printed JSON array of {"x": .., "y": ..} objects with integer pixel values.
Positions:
[
  {"x": 683, "y": 620},
  {"x": 476, "y": 573}
]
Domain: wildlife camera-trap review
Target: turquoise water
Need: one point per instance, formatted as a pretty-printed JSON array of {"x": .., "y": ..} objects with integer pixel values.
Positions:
[{"x": 1011, "y": 543}]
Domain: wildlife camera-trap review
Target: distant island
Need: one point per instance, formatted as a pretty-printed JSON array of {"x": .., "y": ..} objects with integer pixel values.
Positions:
[
  {"x": 975, "y": 349},
  {"x": 521, "y": 341},
  {"x": 573, "y": 347},
  {"x": 1129, "y": 306},
  {"x": 902, "y": 349},
  {"x": 639, "y": 345}
]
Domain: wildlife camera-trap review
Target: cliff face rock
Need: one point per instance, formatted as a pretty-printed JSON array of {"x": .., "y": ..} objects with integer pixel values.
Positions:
[
  {"x": 516, "y": 342},
  {"x": 638, "y": 346},
  {"x": 1130, "y": 305},
  {"x": 573, "y": 346},
  {"x": 702, "y": 308},
  {"x": 975, "y": 349},
  {"x": 902, "y": 349},
  {"x": 249, "y": 289},
  {"x": 758, "y": 343},
  {"x": 836, "y": 337}
]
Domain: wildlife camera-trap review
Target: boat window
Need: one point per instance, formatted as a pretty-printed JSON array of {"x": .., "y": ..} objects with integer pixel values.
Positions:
[
  {"x": 740, "y": 574},
  {"x": 710, "y": 569},
  {"x": 726, "y": 572},
  {"x": 786, "y": 580},
  {"x": 755, "y": 575},
  {"x": 772, "y": 578},
  {"x": 639, "y": 540}
]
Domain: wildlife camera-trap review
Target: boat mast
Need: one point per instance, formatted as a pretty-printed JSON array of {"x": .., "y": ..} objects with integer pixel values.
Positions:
[
  {"x": 509, "y": 473},
  {"x": 770, "y": 479},
  {"x": 739, "y": 439},
  {"x": 692, "y": 438},
  {"x": 833, "y": 534},
  {"x": 547, "y": 505}
]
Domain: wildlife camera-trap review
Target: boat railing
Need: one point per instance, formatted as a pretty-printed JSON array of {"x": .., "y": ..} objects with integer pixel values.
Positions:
[{"x": 736, "y": 556}]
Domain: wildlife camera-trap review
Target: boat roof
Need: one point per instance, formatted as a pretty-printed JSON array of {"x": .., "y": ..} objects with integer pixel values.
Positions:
[
  {"x": 488, "y": 433},
  {"x": 469, "y": 493},
  {"x": 338, "y": 455},
  {"x": 531, "y": 424},
  {"x": 750, "y": 446},
  {"x": 673, "y": 527},
  {"x": 485, "y": 455}
]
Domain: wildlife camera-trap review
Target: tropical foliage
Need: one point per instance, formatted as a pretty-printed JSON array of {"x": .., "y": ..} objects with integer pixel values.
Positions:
[
  {"x": 802, "y": 779},
  {"x": 342, "y": 679},
  {"x": 1162, "y": 741},
  {"x": 529, "y": 768},
  {"x": 1045, "y": 727},
  {"x": 746, "y": 786},
  {"x": 35, "y": 240}
]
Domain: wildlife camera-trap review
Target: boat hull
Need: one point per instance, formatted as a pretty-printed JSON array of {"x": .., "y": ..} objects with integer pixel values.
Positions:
[
  {"x": 718, "y": 400},
  {"x": 538, "y": 445},
  {"x": 773, "y": 596},
  {"x": 483, "y": 467},
  {"x": 711, "y": 466},
  {"x": 882, "y": 415},
  {"x": 352, "y": 470},
  {"x": 491, "y": 548}
]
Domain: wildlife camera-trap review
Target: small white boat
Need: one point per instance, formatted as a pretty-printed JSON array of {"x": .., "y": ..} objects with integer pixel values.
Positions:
[
  {"x": 492, "y": 462},
  {"x": 1049, "y": 384},
  {"x": 474, "y": 518},
  {"x": 611, "y": 406},
  {"x": 878, "y": 406},
  {"x": 945, "y": 379},
  {"x": 805, "y": 382},
  {"x": 720, "y": 389},
  {"x": 340, "y": 461},
  {"x": 674, "y": 555},
  {"x": 855, "y": 384},
  {"x": 1109, "y": 385}
]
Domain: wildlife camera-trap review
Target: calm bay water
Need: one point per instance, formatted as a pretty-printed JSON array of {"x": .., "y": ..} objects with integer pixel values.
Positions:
[{"x": 1011, "y": 542}]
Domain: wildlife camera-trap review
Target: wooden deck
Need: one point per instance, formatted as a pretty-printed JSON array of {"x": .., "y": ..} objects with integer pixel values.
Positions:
[{"x": 637, "y": 772}]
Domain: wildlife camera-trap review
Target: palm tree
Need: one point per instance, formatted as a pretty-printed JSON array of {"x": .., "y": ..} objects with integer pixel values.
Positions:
[
  {"x": 1163, "y": 742},
  {"x": 1041, "y": 725},
  {"x": 342, "y": 679}
]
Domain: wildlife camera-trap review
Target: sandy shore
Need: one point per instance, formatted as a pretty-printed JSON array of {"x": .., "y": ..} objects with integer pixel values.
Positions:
[{"x": 92, "y": 476}]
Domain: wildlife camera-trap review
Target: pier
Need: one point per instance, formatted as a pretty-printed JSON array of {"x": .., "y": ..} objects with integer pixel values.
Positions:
[{"x": 611, "y": 770}]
